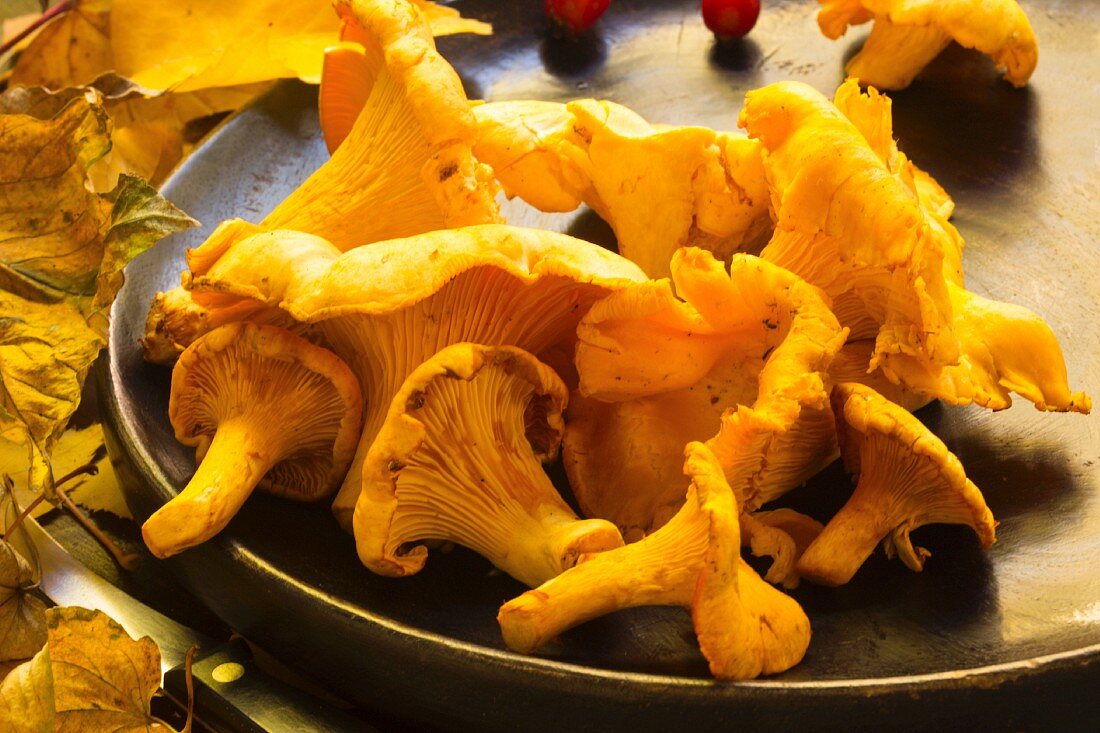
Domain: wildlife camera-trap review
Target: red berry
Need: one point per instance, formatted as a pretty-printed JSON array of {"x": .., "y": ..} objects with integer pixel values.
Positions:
[
  {"x": 730, "y": 18},
  {"x": 576, "y": 15}
]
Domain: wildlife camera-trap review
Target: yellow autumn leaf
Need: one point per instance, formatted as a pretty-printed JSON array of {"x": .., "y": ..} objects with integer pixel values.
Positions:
[
  {"x": 62, "y": 251},
  {"x": 50, "y": 221},
  {"x": 75, "y": 448},
  {"x": 45, "y": 353},
  {"x": 149, "y": 150},
  {"x": 102, "y": 679},
  {"x": 22, "y": 614},
  {"x": 218, "y": 68},
  {"x": 229, "y": 43},
  {"x": 91, "y": 676},
  {"x": 75, "y": 49},
  {"x": 10, "y": 27},
  {"x": 71, "y": 50},
  {"x": 26, "y": 697}
]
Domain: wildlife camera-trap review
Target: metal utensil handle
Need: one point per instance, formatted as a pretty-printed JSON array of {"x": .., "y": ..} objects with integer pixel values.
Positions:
[{"x": 233, "y": 694}]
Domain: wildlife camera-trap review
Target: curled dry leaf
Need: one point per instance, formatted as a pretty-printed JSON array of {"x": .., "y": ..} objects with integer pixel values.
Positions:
[
  {"x": 90, "y": 676},
  {"x": 70, "y": 50},
  {"x": 45, "y": 353},
  {"x": 26, "y": 697},
  {"x": 102, "y": 679},
  {"x": 22, "y": 614},
  {"x": 75, "y": 49},
  {"x": 61, "y": 265}
]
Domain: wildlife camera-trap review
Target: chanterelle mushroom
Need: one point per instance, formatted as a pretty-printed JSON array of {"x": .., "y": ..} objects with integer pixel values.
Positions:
[
  {"x": 405, "y": 168},
  {"x": 490, "y": 284},
  {"x": 906, "y": 478},
  {"x": 536, "y": 151},
  {"x": 908, "y": 34},
  {"x": 857, "y": 219},
  {"x": 262, "y": 408},
  {"x": 350, "y": 68},
  {"x": 659, "y": 187},
  {"x": 745, "y": 627},
  {"x": 458, "y": 459},
  {"x": 659, "y": 369}
]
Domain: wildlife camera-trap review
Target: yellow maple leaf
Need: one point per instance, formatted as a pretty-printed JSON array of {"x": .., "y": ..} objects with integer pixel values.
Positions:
[
  {"x": 90, "y": 676},
  {"x": 45, "y": 353},
  {"x": 70, "y": 50}
]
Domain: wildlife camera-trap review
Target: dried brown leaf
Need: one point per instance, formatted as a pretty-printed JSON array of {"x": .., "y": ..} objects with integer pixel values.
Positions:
[
  {"x": 62, "y": 250},
  {"x": 90, "y": 677},
  {"x": 22, "y": 614},
  {"x": 103, "y": 680}
]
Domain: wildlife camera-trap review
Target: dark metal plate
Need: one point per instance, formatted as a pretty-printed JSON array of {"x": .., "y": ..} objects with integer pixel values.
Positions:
[{"x": 1012, "y": 634}]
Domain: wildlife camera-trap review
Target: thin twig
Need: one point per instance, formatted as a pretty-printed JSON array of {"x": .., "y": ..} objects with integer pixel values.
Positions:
[
  {"x": 46, "y": 17},
  {"x": 189, "y": 677},
  {"x": 127, "y": 560},
  {"x": 88, "y": 469},
  {"x": 23, "y": 515}
]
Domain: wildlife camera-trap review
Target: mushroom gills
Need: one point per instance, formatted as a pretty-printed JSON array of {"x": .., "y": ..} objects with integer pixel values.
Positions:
[
  {"x": 462, "y": 449},
  {"x": 906, "y": 478},
  {"x": 485, "y": 305}
]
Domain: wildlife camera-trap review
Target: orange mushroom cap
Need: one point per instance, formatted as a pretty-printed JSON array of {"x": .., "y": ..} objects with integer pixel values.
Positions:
[
  {"x": 659, "y": 369},
  {"x": 857, "y": 219},
  {"x": 710, "y": 191},
  {"x": 405, "y": 168}
]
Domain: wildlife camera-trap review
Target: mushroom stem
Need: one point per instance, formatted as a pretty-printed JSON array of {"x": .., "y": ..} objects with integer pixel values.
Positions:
[
  {"x": 229, "y": 471},
  {"x": 847, "y": 540},
  {"x": 557, "y": 543},
  {"x": 593, "y": 589},
  {"x": 893, "y": 54},
  {"x": 660, "y": 570}
]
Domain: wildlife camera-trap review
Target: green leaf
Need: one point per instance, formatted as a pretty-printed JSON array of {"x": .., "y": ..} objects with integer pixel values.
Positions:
[{"x": 140, "y": 217}]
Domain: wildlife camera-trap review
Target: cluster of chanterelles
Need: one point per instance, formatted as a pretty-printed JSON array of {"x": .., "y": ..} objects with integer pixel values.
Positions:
[{"x": 815, "y": 296}]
